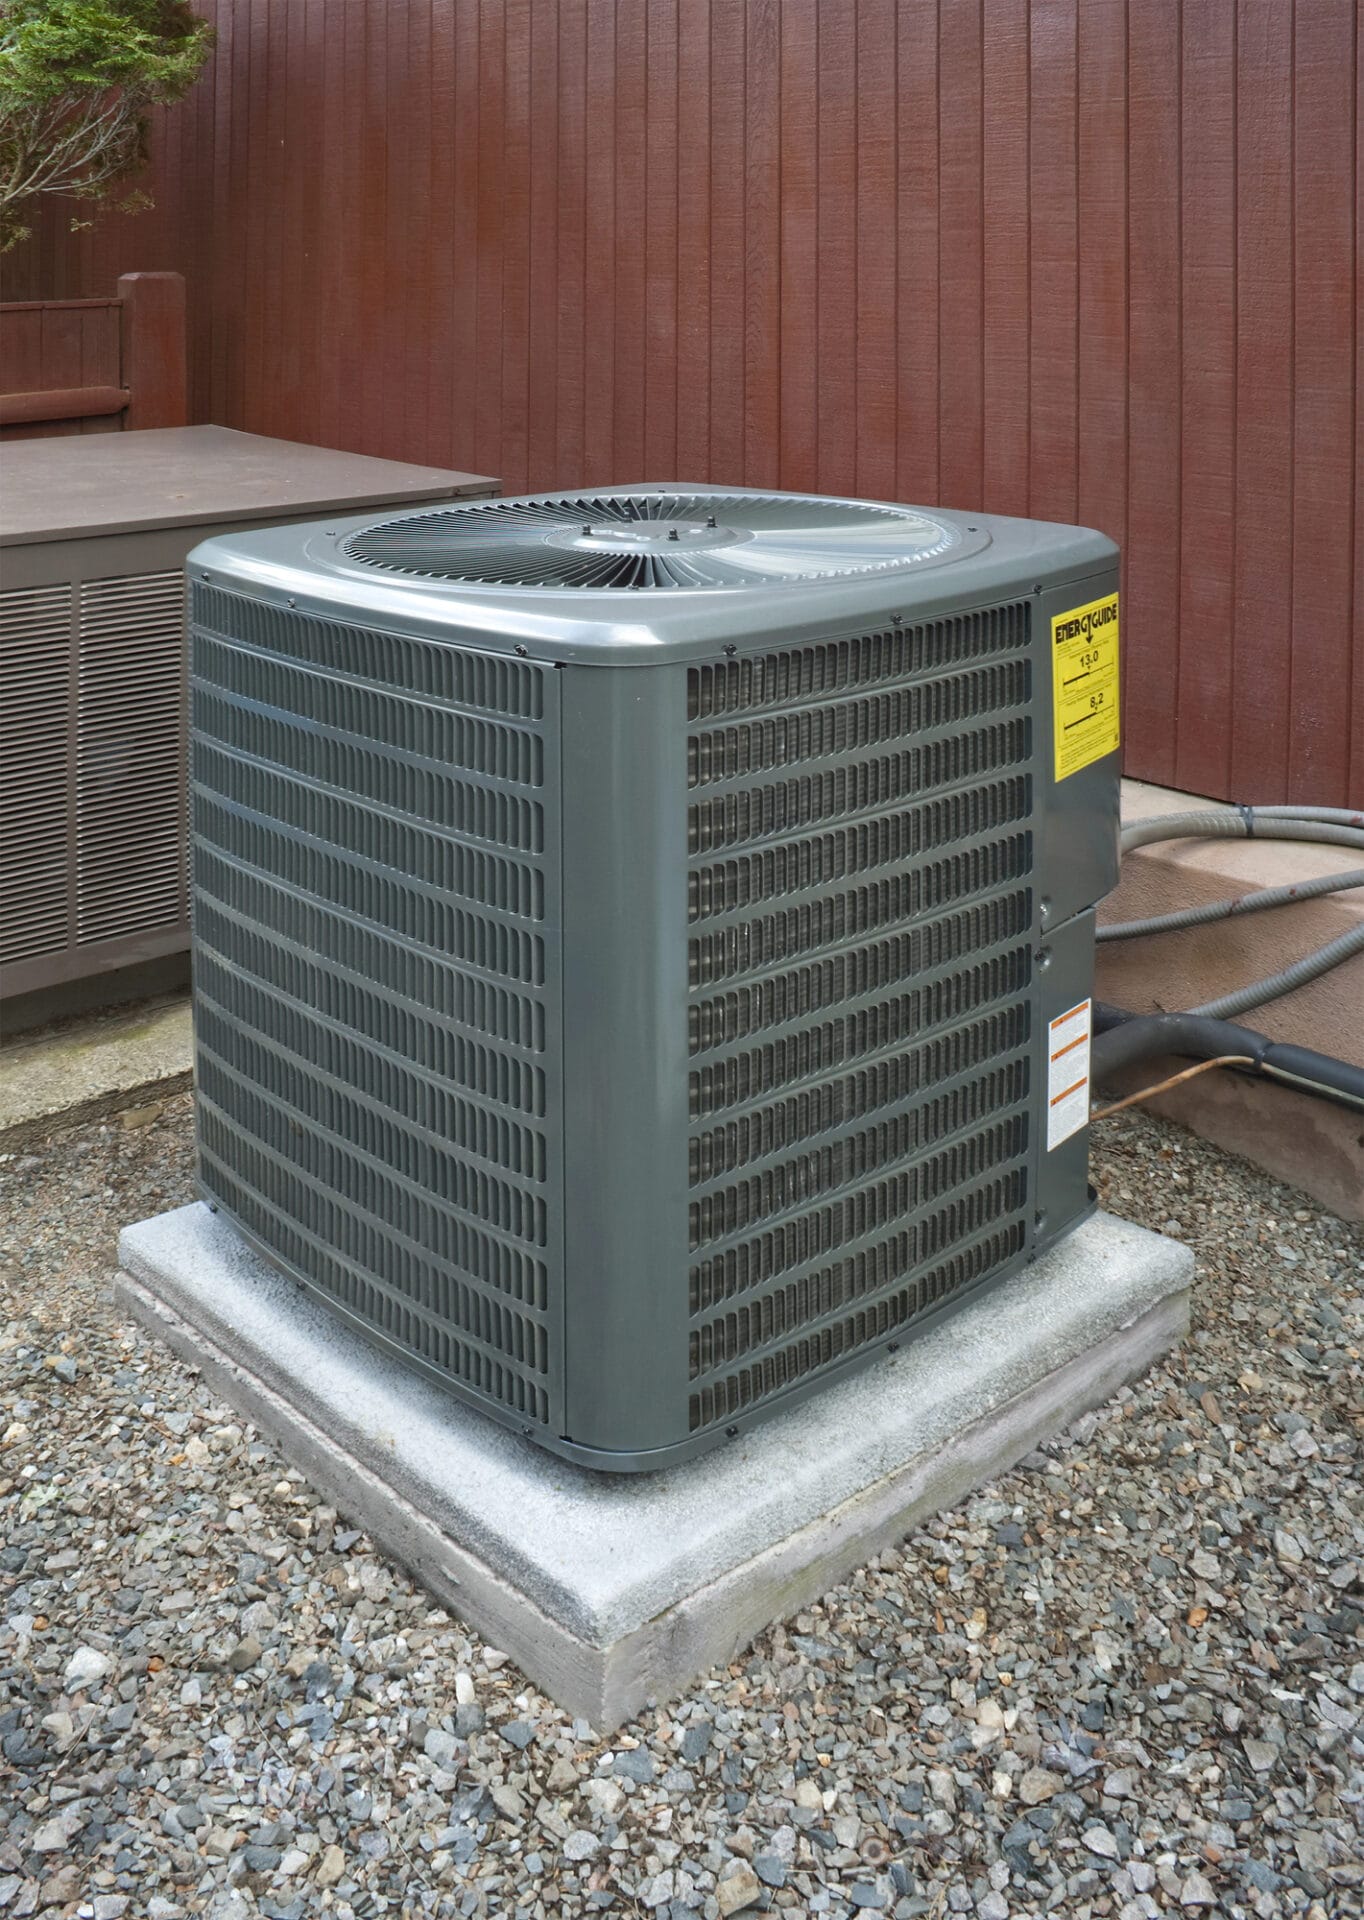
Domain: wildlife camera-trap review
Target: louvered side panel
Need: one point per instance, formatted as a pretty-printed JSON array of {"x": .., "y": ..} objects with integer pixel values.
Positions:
[
  {"x": 859, "y": 895},
  {"x": 131, "y": 755},
  {"x": 376, "y": 983},
  {"x": 36, "y": 694}
]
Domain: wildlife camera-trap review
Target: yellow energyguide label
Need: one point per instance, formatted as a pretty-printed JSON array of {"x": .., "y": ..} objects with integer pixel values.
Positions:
[{"x": 1084, "y": 668}]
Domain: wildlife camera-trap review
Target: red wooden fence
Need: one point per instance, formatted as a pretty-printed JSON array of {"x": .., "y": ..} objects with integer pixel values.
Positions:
[
  {"x": 1091, "y": 262},
  {"x": 94, "y": 366}
]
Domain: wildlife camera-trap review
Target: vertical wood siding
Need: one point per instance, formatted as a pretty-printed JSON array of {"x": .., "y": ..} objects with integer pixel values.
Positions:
[{"x": 1092, "y": 262}]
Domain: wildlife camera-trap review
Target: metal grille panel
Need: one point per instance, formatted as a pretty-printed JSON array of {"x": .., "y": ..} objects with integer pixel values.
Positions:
[
  {"x": 874, "y": 659},
  {"x": 35, "y": 730},
  {"x": 860, "y": 1082},
  {"x": 93, "y": 741},
  {"x": 377, "y": 975},
  {"x": 130, "y": 871}
]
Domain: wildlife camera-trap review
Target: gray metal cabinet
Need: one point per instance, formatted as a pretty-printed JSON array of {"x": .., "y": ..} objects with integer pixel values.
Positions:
[
  {"x": 94, "y": 531},
  {"x": 644, "y": 939}
]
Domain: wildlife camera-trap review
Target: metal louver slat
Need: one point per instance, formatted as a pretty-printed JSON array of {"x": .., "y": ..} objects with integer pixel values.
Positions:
[
  {"x": 35, "y": 733},
  {"x": 130, "y": 861}
]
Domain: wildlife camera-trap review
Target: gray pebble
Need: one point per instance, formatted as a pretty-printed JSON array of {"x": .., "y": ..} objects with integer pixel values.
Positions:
[{"x": 442, "y": 1748}]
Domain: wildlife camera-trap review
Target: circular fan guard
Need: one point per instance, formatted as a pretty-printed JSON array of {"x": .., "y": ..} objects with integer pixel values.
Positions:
[{"x": 653, "y": 540}]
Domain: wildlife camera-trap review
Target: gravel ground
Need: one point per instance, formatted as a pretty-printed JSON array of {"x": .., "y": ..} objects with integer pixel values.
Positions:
[{"x": 1126, "y": 1679}]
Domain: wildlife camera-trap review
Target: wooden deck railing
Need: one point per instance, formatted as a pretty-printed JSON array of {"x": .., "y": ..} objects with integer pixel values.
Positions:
[{"x": 95, "y": 366}]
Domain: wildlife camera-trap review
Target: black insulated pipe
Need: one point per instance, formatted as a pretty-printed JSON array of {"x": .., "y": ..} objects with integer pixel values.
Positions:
[{"x": 1123, "y": 1039}]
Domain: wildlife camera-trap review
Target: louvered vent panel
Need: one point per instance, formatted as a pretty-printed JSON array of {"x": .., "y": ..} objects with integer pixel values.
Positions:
[
  {"x": 35, "y": 770},
  {"x": 130, "y": 861},
  {"x": 377, "y": 981},
  {"x": 860, "y": 972}
]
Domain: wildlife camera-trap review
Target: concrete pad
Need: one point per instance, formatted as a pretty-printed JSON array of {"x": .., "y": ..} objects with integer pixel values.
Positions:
[
  {"x": 98, "y": 1064},
  {"x": 611, "y": 1590}
]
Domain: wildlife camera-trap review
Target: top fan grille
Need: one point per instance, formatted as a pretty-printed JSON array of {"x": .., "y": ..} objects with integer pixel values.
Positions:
[{"x": 653, "y": 540}]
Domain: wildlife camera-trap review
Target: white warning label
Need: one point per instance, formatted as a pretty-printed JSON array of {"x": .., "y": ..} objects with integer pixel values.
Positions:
[{"x": 1067, "y": 1074}]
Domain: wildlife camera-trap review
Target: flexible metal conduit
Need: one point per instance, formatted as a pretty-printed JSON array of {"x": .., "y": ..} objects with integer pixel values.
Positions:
[
  {"x": 1232, "y": 909},
  {"x": 1205, "y": 1033},
  {"x": 1338, "y": 826}
]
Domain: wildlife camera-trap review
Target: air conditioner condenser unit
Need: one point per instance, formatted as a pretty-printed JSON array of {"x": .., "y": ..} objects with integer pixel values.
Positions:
[{"x": 643, "y": 940}]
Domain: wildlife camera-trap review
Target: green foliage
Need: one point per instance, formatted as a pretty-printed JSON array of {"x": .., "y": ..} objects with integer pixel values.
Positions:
[{"x": 78, "y": 82}]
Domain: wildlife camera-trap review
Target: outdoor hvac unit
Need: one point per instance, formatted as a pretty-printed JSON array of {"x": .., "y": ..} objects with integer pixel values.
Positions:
[{"x": 643, "y": 941}]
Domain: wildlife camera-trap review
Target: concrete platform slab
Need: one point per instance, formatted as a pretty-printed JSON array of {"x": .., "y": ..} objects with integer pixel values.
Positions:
[
  {"x": 611, "y": 1590},
  {"x": 97, "y": 1064}
]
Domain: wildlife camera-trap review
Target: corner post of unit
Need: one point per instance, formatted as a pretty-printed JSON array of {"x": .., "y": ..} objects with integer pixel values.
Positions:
[{"x": 625, "y": 1041}]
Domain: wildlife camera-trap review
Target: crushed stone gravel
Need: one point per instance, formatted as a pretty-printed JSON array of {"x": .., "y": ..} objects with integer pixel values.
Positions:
[{"x": 1125, "y": 1679}]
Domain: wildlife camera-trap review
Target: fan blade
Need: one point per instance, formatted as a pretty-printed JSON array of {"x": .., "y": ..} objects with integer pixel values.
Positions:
[{"x": 540, "y": 543}]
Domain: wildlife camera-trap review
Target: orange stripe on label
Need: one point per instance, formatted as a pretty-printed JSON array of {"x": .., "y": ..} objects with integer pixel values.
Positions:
[
  {"x": 1070, "y": 1046},
  {"x": 1066, "y": 1095},
  {"x": 1062, "y": 1018}
]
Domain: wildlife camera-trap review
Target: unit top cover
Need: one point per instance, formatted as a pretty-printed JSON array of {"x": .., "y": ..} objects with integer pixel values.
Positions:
[{"x": 624, "y": 571}]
